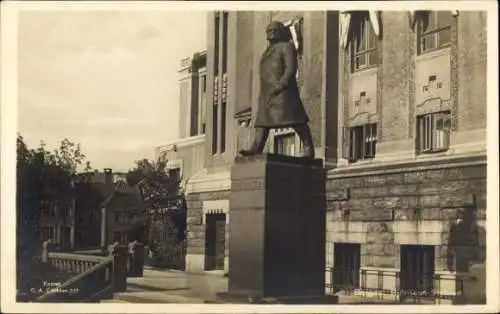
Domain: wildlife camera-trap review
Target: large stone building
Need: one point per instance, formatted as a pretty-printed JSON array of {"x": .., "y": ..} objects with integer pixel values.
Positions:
[
  {"x": 397, "y": 108},
  {"x": 186, "y": 154}
]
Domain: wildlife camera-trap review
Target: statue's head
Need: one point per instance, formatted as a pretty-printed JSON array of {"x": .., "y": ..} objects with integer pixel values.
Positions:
[{"x": 276, "y": 32}]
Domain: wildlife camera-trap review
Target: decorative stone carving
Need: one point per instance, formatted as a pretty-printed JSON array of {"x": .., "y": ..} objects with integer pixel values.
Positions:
[
  {"x": 216, "y": 90},
  {"x": 363, "y": 91},
  {"x": 433, "y": 82}
]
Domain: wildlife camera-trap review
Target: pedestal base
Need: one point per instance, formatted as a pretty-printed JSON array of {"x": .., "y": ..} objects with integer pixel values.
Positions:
[
  {"x": 277, "y": 229},
  {"x": 227, "y": 297}
]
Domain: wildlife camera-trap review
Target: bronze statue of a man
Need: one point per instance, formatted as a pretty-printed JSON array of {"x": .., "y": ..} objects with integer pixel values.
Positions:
[{"x": 279, "y": 100}]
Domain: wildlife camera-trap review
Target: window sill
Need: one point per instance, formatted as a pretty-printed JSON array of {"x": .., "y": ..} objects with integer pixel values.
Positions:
[
  {"x": 369, "y": 69},
  {"x": 434, "y": 53},
  {"x": 433, "y": 154},
  {"x": 362, "y": 161}
]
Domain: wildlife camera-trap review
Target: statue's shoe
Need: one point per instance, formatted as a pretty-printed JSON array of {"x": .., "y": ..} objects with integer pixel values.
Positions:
[
  {"x": 247, "y": 152},
  {"x": 308, "y": 153}
]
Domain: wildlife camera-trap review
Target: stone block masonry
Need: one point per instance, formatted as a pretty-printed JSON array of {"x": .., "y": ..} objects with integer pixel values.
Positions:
[
  {"x": 196, "y": 228},
  {"x": 410, "y": 205}
]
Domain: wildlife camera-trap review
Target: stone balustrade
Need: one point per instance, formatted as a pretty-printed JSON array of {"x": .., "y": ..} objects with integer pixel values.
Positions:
[{"x": 92, "y": 277}]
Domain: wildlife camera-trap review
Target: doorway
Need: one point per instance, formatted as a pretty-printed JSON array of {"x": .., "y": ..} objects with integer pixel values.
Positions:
[
  {"x": 346, "y": 266},
  {"x": 215, "y": 241}
]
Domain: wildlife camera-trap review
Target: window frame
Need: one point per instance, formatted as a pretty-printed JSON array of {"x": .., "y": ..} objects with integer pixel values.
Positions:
[
  {"x": 354, "y": 153},
  {"x": 363, "y": 28},
  {"x": 434, "y": 32},
  {"x": 425, "y": 143}
]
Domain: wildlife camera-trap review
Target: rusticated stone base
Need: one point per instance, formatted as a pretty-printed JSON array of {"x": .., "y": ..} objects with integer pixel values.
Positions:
[
  {"x": 277, "y": 228},
  {"x": 384, "y": 207}
]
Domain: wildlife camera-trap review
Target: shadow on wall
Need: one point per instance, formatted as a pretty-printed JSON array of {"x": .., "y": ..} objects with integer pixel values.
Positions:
[{"x": 467, "y": 254}]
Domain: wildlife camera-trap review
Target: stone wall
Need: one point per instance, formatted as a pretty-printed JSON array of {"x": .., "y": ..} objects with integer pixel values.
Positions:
[
  {"x": 195, "y": 253},
  {"x": 410, "y": 205}
]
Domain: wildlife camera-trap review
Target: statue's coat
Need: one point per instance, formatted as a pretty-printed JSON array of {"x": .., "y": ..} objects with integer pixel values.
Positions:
[{"x": 279, "y": 99}]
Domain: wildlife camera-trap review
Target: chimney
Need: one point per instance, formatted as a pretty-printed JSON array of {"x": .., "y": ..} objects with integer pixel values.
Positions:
[{"x": 108, "y": 175}]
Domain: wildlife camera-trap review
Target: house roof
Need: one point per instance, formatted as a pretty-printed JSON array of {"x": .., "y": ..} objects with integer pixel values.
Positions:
[{"x": 122, "y": 188}]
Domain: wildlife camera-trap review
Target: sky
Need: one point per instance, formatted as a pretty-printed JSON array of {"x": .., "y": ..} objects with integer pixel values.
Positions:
[{"x": 105, "y": 79}]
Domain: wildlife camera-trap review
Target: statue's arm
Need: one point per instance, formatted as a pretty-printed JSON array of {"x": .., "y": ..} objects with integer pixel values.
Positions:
[{"x": 290, "y": 63}]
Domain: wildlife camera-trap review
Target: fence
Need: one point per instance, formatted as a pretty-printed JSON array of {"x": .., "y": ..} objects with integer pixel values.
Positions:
[{"x": 393, "y": 286}]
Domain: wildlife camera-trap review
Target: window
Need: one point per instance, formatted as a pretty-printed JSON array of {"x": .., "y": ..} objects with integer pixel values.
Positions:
[
  {"x": 364, "y": 52},
  {"x": 360, "y": 142},
  {"x": 204, "y": 83},
  {"x": 45, "y": 205},
  {"x": 116, "y": 236},
  {"x": 69, "y": 213},
  {"x": 224, "y": 41},
  {"x": 346, "y": 266},
  {"x": 284, "y": 144},
  {"x": 78, "y": 237},
  {"x": 223, "y": 128},
  {"x": 117, "y": 217},
  {"x": 202, "y": 103},
  {"x": 47, "y": 233},
  {"x": 175, "y": 173},
  {"x": 434, "y": 30},
  {"x": 417, "y": 270},
  {"x": 215, "y": 126},
  {"x": 216, "y": 43},
  {"x": 220, "y": 100},
  {"x": 133, "y": 218},
  {"x": 433, "y": 132}
]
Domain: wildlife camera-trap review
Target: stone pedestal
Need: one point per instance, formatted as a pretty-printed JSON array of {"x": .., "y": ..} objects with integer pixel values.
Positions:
[{"x": 277, "y": 230}]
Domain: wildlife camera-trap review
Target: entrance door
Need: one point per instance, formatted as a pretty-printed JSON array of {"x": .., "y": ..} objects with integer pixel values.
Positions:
[
  {"x": 417, "y": 270},
  {"x": 215, "y": 238},
  {"x": 220, "y": 242}
]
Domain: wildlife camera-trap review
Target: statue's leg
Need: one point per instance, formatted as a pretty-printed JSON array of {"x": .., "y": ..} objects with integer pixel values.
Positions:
[
  {"x": 305, "y": 136},
  {"x": 261, "y": 135}
]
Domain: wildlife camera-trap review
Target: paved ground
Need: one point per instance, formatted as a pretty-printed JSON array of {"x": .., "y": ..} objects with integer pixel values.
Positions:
[{"x": 163, "y": 286}]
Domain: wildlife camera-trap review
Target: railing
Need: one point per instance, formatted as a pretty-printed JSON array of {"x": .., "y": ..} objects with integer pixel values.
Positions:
[
  {"x": 93, "y": 278},
  {"x": 75, "y": 263},
  {"x": 94, "y": 284},
  {"x": 392, "y": 286}
]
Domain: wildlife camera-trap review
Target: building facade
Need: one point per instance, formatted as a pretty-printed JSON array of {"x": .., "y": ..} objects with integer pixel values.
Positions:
[
  {"x": 411, "y": 170},
  {"x": 185, "y": 156},
  {"x": 123, "y": 216},
  {"x": 57, "y": 222},
  {"x": 397, "y": 108},
  {"x": 106, "y": 210}
]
